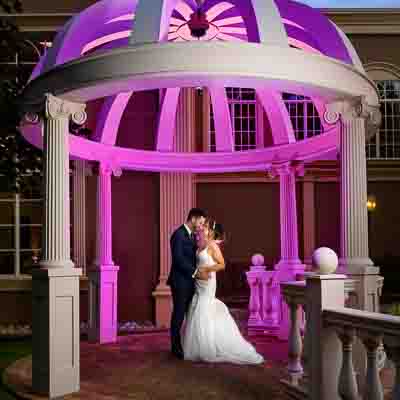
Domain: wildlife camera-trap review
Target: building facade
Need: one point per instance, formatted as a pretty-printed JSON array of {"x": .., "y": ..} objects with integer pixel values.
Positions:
[{"x": 246, "y": 203}]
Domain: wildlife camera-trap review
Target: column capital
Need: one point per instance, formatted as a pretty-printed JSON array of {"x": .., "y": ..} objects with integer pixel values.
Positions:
[
  {"x": 351, "y": 109},
  {"x": 286, "y": 168},
  {"x": 56, "y": 108}
]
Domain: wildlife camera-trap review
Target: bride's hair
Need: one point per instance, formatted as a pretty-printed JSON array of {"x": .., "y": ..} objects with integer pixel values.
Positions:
[{"x": 216, "y": 229}]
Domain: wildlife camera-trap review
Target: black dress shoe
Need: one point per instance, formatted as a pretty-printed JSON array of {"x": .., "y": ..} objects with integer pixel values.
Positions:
[{"x": 177, "y": 354}]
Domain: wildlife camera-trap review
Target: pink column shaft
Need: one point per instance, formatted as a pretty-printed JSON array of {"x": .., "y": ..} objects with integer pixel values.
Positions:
[
  {"x": 104, "y": 217},
  {"x": 288, "y": 216}
]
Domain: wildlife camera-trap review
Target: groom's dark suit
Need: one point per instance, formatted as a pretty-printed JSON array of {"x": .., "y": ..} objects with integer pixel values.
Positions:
[{"x": 183, "y": 249}]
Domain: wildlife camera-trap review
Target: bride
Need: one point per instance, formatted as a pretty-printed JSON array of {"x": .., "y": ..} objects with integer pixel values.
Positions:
[{"x": 211, "y": 334}]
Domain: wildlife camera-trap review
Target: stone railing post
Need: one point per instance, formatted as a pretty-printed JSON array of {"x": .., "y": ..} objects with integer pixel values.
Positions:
[{"x": 323, "y": 291}]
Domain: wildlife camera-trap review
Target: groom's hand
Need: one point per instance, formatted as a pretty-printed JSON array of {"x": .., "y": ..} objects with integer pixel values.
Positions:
[{"x": 202, "y": 275}]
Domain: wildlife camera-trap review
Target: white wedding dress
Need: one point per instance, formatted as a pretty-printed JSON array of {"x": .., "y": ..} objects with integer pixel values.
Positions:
[{"x": 211, "y": 333}]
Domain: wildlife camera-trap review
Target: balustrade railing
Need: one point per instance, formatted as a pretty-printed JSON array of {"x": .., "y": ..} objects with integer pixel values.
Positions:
[{"x": 323, "y": 369}]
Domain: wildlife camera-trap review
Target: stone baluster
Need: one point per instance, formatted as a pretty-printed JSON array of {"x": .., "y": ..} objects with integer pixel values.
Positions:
[
  {"x": 271, "y": 300},
  {"x": 347, "y": 380},
  {"x": 254, "y": 302},
  {"x": 295, "y": 341},
  {"x": 392, "y": 346},
  {"x": 373, "y": 389},
  {"x": 256, "y": 279},
  {"x": 306, "y": 342}
]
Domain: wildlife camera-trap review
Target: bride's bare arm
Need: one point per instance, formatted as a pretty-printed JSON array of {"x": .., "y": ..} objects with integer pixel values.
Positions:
[{"x": 216, "y": 254}]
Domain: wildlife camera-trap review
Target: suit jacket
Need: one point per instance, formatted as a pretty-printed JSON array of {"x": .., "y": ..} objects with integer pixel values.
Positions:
[{"x": 183, "y": 250}]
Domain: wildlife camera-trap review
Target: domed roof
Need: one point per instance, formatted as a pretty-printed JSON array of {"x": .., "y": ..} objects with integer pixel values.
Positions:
[
  {"x": 115, "y": 48},
  {"x": 109, "y": 24}
]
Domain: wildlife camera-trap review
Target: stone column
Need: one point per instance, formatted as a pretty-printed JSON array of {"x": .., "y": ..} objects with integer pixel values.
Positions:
[
  {"x": 177, "y": 197},
  {"x": 103, "y": 276},
  {"x": 55, "y": 286},
  {"x": 356, "y": 119},
  {"x": 308, "y": 219},
  {"x": 290, "y": 261},
  {"x": 79, "y": 214},
  {"x": 289, "y": 265}
]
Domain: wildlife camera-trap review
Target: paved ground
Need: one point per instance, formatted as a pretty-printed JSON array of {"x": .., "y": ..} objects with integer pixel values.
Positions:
[{"x": 139, "y": 367}]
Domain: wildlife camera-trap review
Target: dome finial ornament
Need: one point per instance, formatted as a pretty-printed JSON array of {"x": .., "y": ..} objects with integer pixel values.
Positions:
[{"x": 198, "y": 23}]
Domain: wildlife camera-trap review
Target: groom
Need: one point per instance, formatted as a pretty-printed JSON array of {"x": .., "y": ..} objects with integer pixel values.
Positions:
[{"x": 183, "y": 271}]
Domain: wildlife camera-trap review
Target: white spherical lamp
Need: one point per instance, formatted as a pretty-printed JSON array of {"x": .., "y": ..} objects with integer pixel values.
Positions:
[{"x": 325, "y": 261}]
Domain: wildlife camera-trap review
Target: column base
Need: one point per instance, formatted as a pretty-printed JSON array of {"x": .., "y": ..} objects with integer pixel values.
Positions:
[
  {"x": 55, "y": 329},
  {"x": 289, "y": 269},
  {"x": 163, "y": 300},
  {"x": 103, "y": 295}
]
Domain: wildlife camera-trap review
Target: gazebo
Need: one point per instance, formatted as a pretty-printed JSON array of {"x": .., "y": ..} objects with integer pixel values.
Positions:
[{"x": 113, "y": 49}]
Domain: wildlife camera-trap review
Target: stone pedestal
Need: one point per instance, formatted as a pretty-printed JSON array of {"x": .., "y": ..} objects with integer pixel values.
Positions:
[
  {"x": 55, "y": 286},
  {"x": 324, "y": 354},
  {"x": 55, "y": 328},
  {"x": 103, "y": 291}
]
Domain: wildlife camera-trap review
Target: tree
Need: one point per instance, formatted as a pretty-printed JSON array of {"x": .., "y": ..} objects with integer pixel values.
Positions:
[{"x": 20, "y": 162}]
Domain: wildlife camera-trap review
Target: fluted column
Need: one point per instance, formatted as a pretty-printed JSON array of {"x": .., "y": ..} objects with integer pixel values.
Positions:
[
  {"x": 353, "y": 189},
  {"x": 104, "y": 216},
  {"x": 103, "y": 276},
  {"x": 288, "y": 215},
  {"x": 79, "y": 214},
  {"x": 289, "y": 265},
  {"x": 177, "y": 197},
  {"x": 55, "y": 286}
]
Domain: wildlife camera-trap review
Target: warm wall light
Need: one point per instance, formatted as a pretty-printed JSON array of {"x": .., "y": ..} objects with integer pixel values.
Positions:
[{"x": 371, "y": 203}]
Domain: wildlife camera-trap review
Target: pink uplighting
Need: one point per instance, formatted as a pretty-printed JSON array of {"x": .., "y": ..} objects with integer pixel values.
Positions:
[{"x": 106, "y": 39}]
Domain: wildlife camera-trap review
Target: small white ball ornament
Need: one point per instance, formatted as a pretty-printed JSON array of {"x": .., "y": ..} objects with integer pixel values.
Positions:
[
  {"x": 325, "y": 261},
  {"x": 257, "y": 260}
]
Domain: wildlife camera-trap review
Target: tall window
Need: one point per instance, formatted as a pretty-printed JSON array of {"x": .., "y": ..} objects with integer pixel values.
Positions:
[
  {"x": 243, "y": 110},
  {"x": 20, "y": 232},
  {"x": 386, "y": 144},
  {"x": 304, "y": 116}
]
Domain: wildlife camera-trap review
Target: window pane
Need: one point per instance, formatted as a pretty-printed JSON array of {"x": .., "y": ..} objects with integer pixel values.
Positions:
[
  {"x": 6, "y": 213},
  {"x": 31, "y": 212},
  {"x": 31, "y": 237},
  {"x": 29, "y": 261},
  {"x": 6, "y": 263},
  {"x": 6, "y": 238},
  {"x": 5, "y": 193}
]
